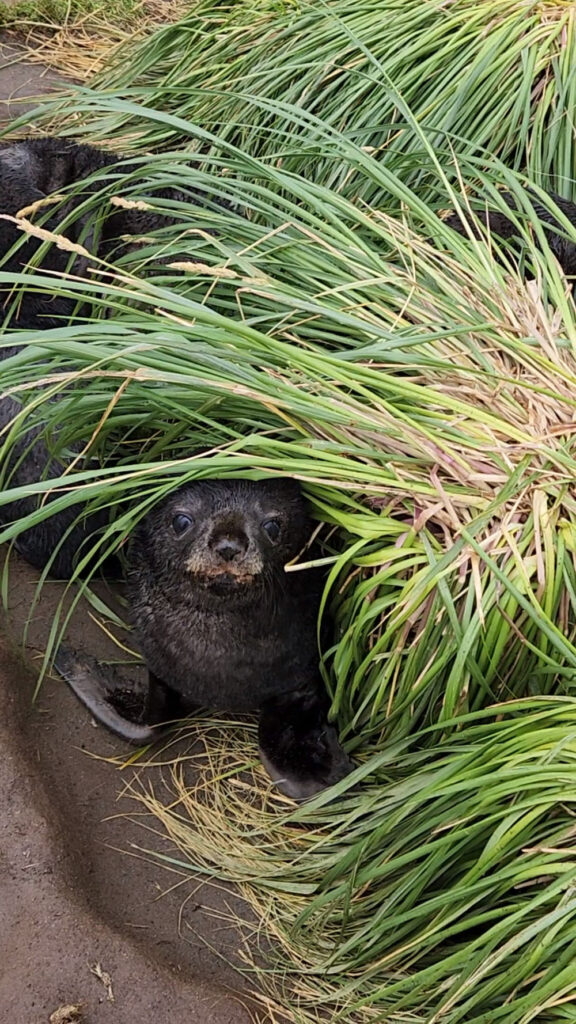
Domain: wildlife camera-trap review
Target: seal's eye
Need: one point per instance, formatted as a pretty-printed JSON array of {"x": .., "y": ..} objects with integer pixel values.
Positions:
[
  {"x": 181, "y": 523},
  {"x": 272, "y": 528}
]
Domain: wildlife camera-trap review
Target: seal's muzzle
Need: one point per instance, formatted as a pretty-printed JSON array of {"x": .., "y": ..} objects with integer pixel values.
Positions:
[{"x": 229, "y": 551}]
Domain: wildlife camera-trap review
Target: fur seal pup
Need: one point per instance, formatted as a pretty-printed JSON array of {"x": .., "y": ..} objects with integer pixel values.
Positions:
[
  {"x": 221, "y": 625},
  {"x": 498, "y": 224}
]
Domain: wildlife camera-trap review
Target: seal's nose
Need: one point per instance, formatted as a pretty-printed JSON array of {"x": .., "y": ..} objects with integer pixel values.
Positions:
[{"x": 230, "y": 549}]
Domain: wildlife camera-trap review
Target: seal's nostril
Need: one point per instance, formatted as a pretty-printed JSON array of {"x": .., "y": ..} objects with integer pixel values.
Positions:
[
  {"x": 229, "y": 548},
  {"x": 228, "y": 552}
]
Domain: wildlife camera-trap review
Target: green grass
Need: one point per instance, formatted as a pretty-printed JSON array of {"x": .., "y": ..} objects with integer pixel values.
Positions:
[
  {"x": 440, "y": 888},
  {"x": 423, "y": 392},
  {"x": 270, "y": 78}
]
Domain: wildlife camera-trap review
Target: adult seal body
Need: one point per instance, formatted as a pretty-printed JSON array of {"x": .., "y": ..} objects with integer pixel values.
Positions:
[
  {"x": 31, "y": 171},
  {"x": 497, "y": 223},
  {"x": 222, "y": 625}
]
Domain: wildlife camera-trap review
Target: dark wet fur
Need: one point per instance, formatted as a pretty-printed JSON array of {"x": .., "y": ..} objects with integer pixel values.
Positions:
[
  {"x": 498, "y": 224},
  {"x": 59, "y": 539},
  {"x": 212, "y": 641},
  {"x": 218, "y": 642},
  {"x": 34, "y": 169}
]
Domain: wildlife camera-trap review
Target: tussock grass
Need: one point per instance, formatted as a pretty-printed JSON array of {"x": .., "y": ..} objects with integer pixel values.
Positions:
[
  {"x": 441, "y": 888},
  {"x": 270, "y": 77},
  {"x": 423, "y": 392}
]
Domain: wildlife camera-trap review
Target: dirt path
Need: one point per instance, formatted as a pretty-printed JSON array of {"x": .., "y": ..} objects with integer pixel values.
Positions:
[{"x": 69, "y": 900}]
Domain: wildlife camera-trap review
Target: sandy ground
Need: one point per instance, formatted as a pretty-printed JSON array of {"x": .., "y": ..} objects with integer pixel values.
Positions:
[
  {"x": 21, "y": 84},
  {"x": 70, "y": 900}
]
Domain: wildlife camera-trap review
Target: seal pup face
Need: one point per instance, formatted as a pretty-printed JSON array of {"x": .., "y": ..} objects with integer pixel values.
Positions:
[{"x": 226, "y": 533}]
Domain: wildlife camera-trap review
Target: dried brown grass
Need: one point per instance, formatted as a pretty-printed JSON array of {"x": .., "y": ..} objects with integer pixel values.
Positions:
[{"x": 81, "y": 46}]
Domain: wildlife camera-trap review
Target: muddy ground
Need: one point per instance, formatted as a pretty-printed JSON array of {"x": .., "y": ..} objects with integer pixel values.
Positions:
[{"x": 73, "y": 908}]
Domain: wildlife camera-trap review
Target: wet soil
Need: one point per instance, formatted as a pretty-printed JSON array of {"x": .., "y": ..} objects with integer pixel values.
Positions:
[{"x": 71, "y": 896}]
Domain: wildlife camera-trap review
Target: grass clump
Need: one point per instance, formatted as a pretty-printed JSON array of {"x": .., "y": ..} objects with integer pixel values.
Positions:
[
  {"x": 423, "y": 392},
  {"x": 270, "y": 78},
  {"x": 77, "y": 38},
  {"x": 57, "y": 12},
  {"x": 442, "y": 888}
]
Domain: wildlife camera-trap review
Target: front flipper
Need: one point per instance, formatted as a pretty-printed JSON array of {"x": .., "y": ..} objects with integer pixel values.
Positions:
[
  {"x": 133, "y": 715},
  {"x": 299, "y": 748}
]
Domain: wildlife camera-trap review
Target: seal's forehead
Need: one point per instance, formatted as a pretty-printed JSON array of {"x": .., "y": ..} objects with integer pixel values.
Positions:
[
  {"x": 205, "y": 497},
  {"x": 259, "y": 496},
  {"x": 209, "y": 497}
]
